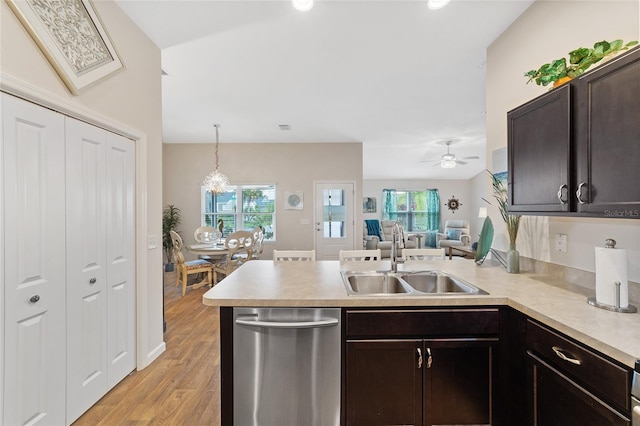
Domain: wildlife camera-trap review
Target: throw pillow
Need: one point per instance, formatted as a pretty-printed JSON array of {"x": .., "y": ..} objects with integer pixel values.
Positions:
[{"x": 454, "y": 234}]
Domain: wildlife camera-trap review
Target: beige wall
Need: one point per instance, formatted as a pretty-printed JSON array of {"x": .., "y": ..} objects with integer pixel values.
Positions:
[
  {"x": 547, "y": 30},
  {"x": 292, "y": 167},
  {"x": 131, "y": 97}
]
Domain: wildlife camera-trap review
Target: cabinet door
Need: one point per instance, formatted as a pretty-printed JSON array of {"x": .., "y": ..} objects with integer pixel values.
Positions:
[
  {"x": 555, "y": 400},
  {"x": 538, "y": 146},
  {"x": 608, "y": 129},
  {"x": 33, "y": 265},
  {"x": 383, "y": 382},
  {"x": 458, "y": 381}
]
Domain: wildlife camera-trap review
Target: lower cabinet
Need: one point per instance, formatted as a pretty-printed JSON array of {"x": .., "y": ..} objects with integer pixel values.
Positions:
[
  {"x": 570, "y": 384},
  {"x": 412, "y": 374}
]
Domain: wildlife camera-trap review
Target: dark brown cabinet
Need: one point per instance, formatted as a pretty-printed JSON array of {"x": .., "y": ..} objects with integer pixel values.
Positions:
[
  {"x": 402, "y": 368},
  {"x": 571, "y": 385},
  {"x": 574, "y": 150}
]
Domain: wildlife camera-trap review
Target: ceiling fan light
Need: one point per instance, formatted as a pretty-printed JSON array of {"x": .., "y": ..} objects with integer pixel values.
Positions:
[
  {"x": 302, "y": 5},
  {"x": 447, "y": 164},
  {"x": 437, "y": 4}
]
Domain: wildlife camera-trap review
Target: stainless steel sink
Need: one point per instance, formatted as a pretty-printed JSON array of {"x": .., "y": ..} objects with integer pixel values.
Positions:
[
  {"x": 436, "y": 282},
  {"x": 374, "y": 283},
  {"x": 414, "y": 283}
]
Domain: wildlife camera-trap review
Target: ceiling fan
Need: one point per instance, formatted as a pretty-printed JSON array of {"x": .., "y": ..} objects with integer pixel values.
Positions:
[{"x": 449, "y": 160}]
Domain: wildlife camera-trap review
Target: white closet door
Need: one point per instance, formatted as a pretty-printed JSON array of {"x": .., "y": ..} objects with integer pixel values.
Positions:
[
  {"x": 87, "y": 379},
  {"x": 121, "y": 287},
  {"x": 34, "y": 264}
]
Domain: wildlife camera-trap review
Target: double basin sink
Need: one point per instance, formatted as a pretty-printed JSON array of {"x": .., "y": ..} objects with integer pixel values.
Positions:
[{"x": 406, "y": 283}]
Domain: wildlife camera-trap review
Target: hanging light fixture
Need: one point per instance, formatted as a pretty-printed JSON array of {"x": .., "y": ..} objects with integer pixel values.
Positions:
[
  {"x": 437, "y": 4},
  {"x": 302, "y": 5},
  {"x": 216, "y": 182}
]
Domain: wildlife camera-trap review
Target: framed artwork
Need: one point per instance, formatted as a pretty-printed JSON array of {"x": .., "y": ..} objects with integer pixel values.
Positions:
[
  {"x": 499, "y": 157},
  {"x": 294, "y": 200},
  {"x": 368, "y": 205},
  {"x": 81, "y": 56}
]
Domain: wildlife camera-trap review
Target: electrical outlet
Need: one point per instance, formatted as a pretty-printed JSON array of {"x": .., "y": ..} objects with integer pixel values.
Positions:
[{"x": 561, "y": 243}]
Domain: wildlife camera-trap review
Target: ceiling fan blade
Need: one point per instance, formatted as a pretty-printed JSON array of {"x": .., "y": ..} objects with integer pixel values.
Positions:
[
  {"x": 473, "y": 157},
  {"x": 462, "y": 163}
]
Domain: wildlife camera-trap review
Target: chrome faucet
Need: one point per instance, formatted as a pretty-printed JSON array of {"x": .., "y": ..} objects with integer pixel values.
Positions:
[{"x": 396, "y": 242}]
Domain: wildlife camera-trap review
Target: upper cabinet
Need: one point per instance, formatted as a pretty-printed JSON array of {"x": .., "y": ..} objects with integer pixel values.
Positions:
[{"x": 575, "y": 149}]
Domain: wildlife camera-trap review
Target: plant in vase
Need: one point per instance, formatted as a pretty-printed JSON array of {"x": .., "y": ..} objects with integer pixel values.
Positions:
[
  {"x": 511, "y": 220},
  {"x": 170, "y": 220}
]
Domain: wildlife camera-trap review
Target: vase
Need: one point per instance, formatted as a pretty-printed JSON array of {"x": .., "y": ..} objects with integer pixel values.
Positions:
[
  {"x": 561, "y": 81},
  {"x": 513, "y": 260}
]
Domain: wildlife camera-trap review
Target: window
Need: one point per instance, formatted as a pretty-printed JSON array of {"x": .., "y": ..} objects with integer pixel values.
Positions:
[
  {"x": 241, "y": 207},
  {"x": 416, "y": 211}
]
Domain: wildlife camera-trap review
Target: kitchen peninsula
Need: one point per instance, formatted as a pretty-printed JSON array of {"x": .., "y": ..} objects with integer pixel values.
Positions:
[{"x": 528, "y": 304}]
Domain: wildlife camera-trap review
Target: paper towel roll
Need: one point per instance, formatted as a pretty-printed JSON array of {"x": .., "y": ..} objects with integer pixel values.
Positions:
[{"x": 611, "y": 266}]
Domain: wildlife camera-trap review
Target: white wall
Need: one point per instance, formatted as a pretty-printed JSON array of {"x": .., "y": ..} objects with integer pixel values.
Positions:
[
  {"x": 292, "y": 167},
  {"x": 131, "y": 97},
  {"x": 545, "y": 31},
  {"x": 460, "y": 189}
]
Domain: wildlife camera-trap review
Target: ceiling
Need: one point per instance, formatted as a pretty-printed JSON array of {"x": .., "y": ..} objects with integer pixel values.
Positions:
[{"x": 394, "y": 75}]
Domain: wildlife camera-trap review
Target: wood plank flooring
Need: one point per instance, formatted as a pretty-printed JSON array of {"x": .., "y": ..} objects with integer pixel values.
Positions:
[{"x": 182, "y": 386}]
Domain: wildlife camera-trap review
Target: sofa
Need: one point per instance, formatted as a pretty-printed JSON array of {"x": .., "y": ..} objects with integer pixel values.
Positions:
[
  {"x": 383, "y": 242},
  {"x": 456, "y": 234}
]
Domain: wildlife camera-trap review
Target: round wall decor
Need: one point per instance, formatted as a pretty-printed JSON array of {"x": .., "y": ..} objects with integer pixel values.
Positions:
[{"x": 453, "y": 204}]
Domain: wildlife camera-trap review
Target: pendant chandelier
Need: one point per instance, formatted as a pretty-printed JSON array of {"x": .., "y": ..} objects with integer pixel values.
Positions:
[{"x": 216, "y": 182}]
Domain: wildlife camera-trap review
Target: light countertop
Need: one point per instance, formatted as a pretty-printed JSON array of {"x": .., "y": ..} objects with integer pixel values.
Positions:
[{"x": 263, "y": 283}]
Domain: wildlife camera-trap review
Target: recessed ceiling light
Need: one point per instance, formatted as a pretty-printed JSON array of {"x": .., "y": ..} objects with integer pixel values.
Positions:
[
  {"x": 437, "y": 4},
  {"x": 302, "y": 5}
]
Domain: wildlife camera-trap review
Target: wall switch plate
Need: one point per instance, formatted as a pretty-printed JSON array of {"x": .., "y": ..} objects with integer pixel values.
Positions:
[
  {"x": 561, "y": 243},
  {"x": 152, "y": 242}
]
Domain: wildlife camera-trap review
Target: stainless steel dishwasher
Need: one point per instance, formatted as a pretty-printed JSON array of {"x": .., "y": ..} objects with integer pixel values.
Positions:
[{"x": 286, "y": 366}]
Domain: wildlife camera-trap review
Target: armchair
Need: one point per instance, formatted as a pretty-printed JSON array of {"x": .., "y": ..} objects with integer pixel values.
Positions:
[
  {"x": 456, "y": 234},
  {"x": 383, "y": 242}
]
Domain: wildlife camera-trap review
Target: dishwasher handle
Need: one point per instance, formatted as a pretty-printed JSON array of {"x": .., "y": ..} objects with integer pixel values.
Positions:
[{"x": 327, "y": 322}]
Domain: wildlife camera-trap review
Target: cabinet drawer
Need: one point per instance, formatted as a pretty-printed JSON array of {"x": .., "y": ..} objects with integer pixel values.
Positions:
[
  {"x": 432, "y": 322},
  {"x": 605, "y": 378}
]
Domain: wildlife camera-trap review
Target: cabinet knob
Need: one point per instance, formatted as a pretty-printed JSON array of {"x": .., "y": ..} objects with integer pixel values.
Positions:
[
  {"x": 93, "y": 280},
  {"x": 34, "y": 299},
  {"x": 419, "y": 357},
  {"x": 560, "y": 194},
  {"x": 429, "y": 358},
  {"x": 579, "y": 193}
]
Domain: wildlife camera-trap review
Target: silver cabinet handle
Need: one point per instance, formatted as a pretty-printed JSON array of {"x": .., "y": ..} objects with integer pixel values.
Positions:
[
  {"x": 562, "y": 201},
  {"x": 560, "y": 352},
  {"x": 34, "y": 299},
  {"x": 429, "y": 359},
  {"x": 419, "y": 357},
  {"x": 93, "y": 280},
  {"x": 288, "y": 324},
  {"x": 579, "y": 193}
]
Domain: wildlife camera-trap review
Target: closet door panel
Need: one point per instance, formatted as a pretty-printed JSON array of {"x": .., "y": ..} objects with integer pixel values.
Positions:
[
  {"x": 34, "y": 263},
  {"x": 120, "y": 257},
  {"x": 86, "y": 266}
]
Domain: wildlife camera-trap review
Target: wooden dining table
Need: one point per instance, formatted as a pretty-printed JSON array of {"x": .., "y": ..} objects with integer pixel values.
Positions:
[{"x": 213, "y": 250}]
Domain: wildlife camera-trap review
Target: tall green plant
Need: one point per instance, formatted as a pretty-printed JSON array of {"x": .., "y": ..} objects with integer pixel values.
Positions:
[
  {"x": 170, "y": 221},
  {"x": 511, "y": 220}
]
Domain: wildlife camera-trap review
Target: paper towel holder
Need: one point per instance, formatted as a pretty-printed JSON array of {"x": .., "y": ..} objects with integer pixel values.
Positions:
[{"x": 630, "y": 309}]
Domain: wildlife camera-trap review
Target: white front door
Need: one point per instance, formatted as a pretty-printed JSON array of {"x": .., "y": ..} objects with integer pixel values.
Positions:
[
  {"x": 33, "y": 210},
  {"x": 334, "y": 219}
]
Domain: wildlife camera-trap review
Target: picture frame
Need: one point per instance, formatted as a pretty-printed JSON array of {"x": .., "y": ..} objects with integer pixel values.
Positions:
[
  {"x": 293, "y": 200},
  {"x": 369, "y": 205},
  {"x": 81, "y": 57}
]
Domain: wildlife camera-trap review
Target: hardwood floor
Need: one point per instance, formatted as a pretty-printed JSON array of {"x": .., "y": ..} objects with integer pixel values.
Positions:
[{"x": 182, "y": 386}]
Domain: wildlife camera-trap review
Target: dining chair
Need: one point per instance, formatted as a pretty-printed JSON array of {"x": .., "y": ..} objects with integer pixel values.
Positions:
[
  {"x": 191, "y": 267},
  {"x": 239, "y": 246},
  {"x": 258, "y": 245},
  {"x": 294, "y": 255},
  {"x": 423, "y": 254},
  {"x": 354, "y": 255},
  {"x": 207, "y": 234}
]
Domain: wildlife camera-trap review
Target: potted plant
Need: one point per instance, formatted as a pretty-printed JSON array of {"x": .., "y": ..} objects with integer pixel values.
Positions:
[
  {"x": 170, "y": 221},
  {"x": 558, "y": 71},
  {"x": 511, "y": 220}
]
